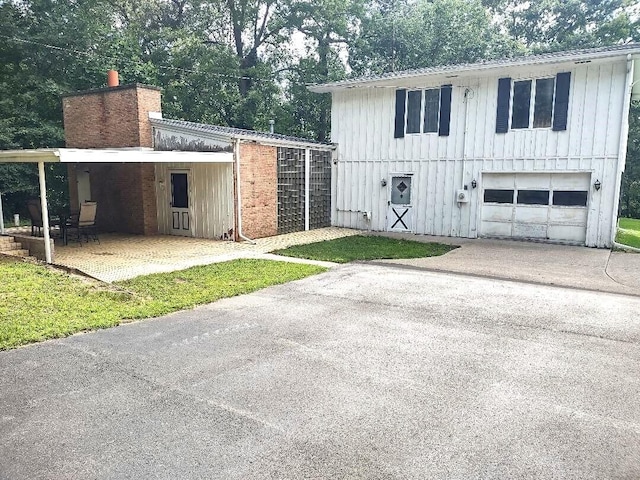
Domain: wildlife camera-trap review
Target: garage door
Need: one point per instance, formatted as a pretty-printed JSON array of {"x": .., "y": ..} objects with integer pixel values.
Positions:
[{"x": 535, "y": 206}]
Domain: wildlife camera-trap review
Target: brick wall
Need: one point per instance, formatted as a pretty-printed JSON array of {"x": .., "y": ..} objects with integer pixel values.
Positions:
[
  {"x": 259, "y": 190},
  {"x": 110, "y": 117},
  {"x": 115, "y": 118}
]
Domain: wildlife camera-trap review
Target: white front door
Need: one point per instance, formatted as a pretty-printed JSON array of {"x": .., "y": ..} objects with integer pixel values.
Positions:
[
  {"x": 179, "y": 202},
  {"x": 400, "y": 213}
]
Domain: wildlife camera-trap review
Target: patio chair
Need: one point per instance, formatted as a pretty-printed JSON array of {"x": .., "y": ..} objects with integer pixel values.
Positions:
[
  {"x": 35, "y": 214},
  {"x": 83, "y": 224}
]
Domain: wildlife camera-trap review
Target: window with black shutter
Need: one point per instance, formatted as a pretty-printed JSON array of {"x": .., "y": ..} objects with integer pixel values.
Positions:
[
  {"x": 423, "y": 111},
  {"x": 537, "y": 103}
]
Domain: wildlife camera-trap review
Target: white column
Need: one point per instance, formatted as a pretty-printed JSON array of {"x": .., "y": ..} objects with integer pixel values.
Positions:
[
  {"x": 45, "y": 211},
  {"x": 307, "y": 179},
  {"x": 1, "y": 216}
]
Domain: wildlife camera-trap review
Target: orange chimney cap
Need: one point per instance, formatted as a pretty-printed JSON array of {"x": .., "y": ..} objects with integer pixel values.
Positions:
[{"x": 112, "y": 78}]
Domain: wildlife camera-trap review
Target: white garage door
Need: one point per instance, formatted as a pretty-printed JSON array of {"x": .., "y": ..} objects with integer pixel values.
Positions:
[{"x": 536, "y": 206}]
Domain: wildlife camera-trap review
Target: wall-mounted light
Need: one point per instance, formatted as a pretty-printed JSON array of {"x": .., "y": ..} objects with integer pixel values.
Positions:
[
  {"x": 474, "y": 184},
  {"x": 383, "y": 182},
  {"x": 597, "y": 185}
]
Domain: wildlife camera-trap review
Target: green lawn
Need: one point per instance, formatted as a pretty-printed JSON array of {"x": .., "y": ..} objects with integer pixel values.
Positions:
[
  {"x": 37, "y": 303},
  {"x": 361, "y": 247},
  {"x": 629, "y": 232}
]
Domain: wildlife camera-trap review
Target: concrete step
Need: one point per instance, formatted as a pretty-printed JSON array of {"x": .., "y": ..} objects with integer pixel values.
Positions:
[
  {"x": 16, "y": 253},
  {"x": 6, "y": 246}
]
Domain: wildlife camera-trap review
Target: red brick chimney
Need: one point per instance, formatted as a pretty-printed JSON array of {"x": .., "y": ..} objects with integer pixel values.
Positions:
[
  {"x": 116, "y": 116},
  {"x": 112, "y": 117}
]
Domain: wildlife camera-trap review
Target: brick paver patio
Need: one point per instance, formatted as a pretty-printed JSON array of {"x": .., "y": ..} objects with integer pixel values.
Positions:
[{"x": 119, "y": 257}]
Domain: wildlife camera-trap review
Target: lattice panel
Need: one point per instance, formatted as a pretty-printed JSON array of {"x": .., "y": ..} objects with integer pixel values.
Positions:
[
  {"x": 290, "y": 190},
  {"x": 320, "y": 189}
]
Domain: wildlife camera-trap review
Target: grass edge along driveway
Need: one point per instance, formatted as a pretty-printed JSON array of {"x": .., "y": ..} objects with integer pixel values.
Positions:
[
  {"x": 365, "y": 247},
  {"x": 629, "y": 232},
  {"x": 39, "y": 303}
]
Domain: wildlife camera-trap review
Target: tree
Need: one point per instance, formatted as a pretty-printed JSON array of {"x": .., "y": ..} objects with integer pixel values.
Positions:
[
  {"x": 550, "y": 25},
  {"x": 630, "y": 195},
  {"x": 401, "y": 35}
]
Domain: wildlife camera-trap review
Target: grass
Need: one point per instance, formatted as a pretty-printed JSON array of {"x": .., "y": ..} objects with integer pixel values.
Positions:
[
  {"x": 360, "y": 247},
  {"x": 629, "y": 232},
  {"x": 38, "y": 303}
]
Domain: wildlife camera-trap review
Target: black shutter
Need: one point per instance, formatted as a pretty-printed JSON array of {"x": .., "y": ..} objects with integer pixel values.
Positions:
[
  {"x": 561, "y": 107},
  {"x": 502, "y": 112},
  {"x": 401, "y": 103},
  {"x": 445, "y": 110}
]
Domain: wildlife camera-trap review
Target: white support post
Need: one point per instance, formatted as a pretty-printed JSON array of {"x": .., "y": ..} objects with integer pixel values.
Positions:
[
  {"x": 307, "y": 182},
  {"x": 45, "y": 211},
  {"x": 1, "y": 216}
]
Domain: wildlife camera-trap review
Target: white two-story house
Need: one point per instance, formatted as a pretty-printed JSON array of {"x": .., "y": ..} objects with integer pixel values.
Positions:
[{"x": 530, "y": 147}]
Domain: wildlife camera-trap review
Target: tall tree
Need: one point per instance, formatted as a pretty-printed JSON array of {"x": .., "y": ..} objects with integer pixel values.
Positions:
[{"x": 401, "y": 34}]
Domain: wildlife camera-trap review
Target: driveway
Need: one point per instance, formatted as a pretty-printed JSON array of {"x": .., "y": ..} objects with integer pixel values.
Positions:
[
  {"x": 543, "y": 263},
  {"x": 362, "y": 372}
]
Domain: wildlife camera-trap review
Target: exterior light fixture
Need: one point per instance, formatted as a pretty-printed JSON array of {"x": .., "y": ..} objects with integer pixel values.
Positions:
[
  {"x": 383, "y": 182},
  {"x": 597, "y": 185},
  {"x": 474, "y": 184}
]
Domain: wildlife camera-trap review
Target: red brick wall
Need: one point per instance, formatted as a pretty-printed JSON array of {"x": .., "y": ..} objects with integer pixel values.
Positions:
[
  {"x": 110, "y": 118},
  {"x": 115, "y": 118},
  {"x": 259, "y": 190},
  {"x": 125, "y": 193}
]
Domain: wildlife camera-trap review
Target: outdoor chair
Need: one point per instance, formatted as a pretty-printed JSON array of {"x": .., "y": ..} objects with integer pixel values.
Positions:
[
  {"x": 35, "y": 214},
  {"x": 82, "y": 224}
]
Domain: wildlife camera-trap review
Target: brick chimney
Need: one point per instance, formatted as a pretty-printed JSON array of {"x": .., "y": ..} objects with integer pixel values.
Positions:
[
  {"x": 116, "y": 116},
  {"x": 112, "y": 117}
]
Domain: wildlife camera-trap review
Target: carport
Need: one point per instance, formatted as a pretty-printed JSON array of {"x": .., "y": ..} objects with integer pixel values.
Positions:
[{"x": 117, "y": 156}]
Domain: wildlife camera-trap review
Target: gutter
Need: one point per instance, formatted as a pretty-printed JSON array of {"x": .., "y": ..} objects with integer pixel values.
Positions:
[
  {"x": 622, "y": 150},
  {"x": 236, "y": 154}
]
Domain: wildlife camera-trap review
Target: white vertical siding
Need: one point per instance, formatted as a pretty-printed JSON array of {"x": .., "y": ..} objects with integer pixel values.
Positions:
[
  {"x": 210, "y": 197},
  {"x": 363, "y": 124}
]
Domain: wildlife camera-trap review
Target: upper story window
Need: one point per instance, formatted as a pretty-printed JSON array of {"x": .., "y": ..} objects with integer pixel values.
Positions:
[
  {"x": 532, "y": 103},
  {"x": 423, "y": 111},
  {"x": 537, "y": 103}
]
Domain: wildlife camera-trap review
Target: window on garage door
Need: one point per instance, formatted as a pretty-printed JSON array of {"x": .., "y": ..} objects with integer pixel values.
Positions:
[
  {"x": 533, "y": 197},
  {"x": 570, "y": 198}
]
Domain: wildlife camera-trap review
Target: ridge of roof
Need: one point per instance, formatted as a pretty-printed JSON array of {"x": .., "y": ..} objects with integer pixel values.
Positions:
[
  {"x": 541, "y": 58},
  {"x": 235, "y": 132}
]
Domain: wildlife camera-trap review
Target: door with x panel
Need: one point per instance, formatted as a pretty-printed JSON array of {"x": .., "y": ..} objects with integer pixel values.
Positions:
[
  {"x": 400, "y": 213},
  {"x": 180, "y": 217}
]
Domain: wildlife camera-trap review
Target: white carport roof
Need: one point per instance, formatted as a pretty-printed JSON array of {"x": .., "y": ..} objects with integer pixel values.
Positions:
[{"x": 113, "y": 155}]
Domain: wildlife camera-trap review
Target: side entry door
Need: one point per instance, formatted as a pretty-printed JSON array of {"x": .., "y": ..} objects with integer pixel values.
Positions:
[
  {"x": 180, "y": 216},
  {"x": 400, "y": 212}
]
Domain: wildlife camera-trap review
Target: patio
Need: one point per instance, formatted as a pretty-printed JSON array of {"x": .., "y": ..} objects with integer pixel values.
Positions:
[{"x": 119, "y": 256}]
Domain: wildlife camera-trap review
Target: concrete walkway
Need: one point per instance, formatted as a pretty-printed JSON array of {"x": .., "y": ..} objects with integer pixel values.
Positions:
[
  {"x": 542, "y": 263},
  {"x": 120, "y": 257}
]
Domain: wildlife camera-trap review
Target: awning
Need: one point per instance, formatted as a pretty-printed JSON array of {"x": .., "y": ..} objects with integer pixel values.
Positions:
[{"x": 113, "y": 155}]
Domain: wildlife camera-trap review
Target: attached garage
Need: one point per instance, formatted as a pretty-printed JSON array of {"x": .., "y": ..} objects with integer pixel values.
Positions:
[{"x": 540, "y": 206}]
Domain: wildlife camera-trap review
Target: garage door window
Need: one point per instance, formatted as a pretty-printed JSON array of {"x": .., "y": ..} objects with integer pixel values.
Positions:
[
  {"x": 570, "y": 198},
  {"x": 498, "y": 196},
  {"x": 533, "y": 197}
]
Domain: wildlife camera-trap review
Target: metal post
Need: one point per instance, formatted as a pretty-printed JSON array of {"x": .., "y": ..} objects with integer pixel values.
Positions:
[
  {"x": 45, "y": 211},
  {"x": 307, "y": 177},
  {"x": 1, "y": 216}
]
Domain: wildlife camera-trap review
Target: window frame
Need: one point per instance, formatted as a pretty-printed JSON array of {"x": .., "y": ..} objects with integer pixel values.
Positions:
[
  {"x": 532, "y": 102},
  {"x": 423, "y": 96}
]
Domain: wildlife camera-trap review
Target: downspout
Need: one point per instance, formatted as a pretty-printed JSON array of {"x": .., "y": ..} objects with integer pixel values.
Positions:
[
  {"x": 236, "y": 154},
  {"x": 622, "y": 152}
]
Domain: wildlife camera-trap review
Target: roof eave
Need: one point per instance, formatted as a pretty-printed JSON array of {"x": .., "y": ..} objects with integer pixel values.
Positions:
[{"x": 477, "y": 67}]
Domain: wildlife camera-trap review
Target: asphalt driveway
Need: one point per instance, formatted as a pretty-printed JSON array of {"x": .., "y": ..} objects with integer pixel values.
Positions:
[{"x": 362, "y": 372}]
